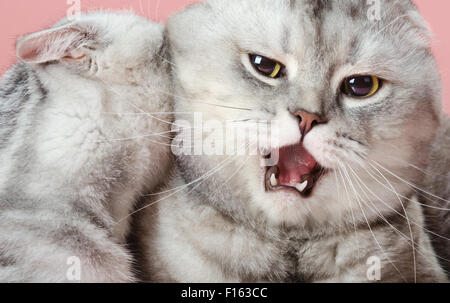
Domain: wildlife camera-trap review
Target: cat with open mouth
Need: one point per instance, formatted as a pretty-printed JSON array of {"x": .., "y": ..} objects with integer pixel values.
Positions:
[
  {"x": 357, "y": 100},
  {"x": 296, "y": 170}
]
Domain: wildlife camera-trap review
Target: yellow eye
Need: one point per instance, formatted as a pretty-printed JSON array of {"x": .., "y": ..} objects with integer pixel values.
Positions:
[
  {"x": 267, "y": 67},
  {"x": 361, "y": 86}
]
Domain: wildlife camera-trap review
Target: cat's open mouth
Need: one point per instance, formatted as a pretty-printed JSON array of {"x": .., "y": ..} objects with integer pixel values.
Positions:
[{"x": 296, "y": 170}]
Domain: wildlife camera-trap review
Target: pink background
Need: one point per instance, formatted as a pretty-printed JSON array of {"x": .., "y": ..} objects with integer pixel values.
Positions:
[{"x": 18, "y": 17}]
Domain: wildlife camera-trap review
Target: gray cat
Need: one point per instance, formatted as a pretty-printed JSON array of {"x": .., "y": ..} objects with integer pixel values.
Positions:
[
  {"x": 357, "y": 98},
  {"x": 84, "y": 132}
]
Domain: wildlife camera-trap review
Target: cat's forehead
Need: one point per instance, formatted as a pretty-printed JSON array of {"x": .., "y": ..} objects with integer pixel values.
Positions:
[{"x": 288, "y": 26}]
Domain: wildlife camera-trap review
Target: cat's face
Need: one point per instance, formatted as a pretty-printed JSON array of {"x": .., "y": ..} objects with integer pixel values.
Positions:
[{"x": 355, "y": 99}]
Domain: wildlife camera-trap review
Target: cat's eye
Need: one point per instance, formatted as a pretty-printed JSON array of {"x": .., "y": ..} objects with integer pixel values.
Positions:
[
  {"x": 267, "y": 67},
  {"x": 361, "y": 86}
]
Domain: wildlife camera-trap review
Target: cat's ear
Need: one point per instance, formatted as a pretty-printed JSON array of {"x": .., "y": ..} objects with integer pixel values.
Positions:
[{"x": 65, "y": 43}]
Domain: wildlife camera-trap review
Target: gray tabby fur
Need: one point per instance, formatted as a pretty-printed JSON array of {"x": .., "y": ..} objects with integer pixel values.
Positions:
[
  {"x": 76, "y": 150},
  {"x": 227, "y": 228},
  {"x": 437, "y": 195}
]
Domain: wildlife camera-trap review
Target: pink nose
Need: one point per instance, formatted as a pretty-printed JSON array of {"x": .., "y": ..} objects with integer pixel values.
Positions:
[{"x": 307, "y": 121}]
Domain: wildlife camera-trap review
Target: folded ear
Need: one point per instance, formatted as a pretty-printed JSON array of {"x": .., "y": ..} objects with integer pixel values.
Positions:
[{"x": 61, "y": 43}]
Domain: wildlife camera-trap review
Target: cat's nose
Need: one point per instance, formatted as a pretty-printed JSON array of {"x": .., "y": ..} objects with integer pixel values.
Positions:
[{"x": 307, "y": 121}]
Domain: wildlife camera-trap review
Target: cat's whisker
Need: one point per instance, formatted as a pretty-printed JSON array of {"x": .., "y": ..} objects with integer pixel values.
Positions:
[
  {"x": 145, "y": 113},
  {"x": 237, "y": 170},
  {"x": 349, "y": 203},
  {"x": 409, "y": 183},
  {"x": 194, "y": 181},
  {"x": 379, "y": 214},
  {"x": 147, "y": 206},
  {"x": 251, "y": 121},
  {"x": 394, "y": 210},
  {"x": 152, "y": 116},
  {"x": 365, "y": 191},
  {"x": 374, "y": 208},
  {"x": 161, "y": 135},
  {"x": 368, "y": 223},
  {"x": 406, "y": 198},
  {"x": 241, "y": 166},
  {"x": 174, "y": 191},
  {"x": 191, "y": 100},
  {"x": 212, "y": 172},
  {"x": 222, "y": 106},
  {"x": 157, "y": 142},
  {"x": 199, "y": 180},
  {"x": 431, "y": 200},
  {"x": 178, "y": 97},
  {"x": 398, "y": 159},
  {"x": 138, "y": 108},
  {"x": 422, "y": 251},
  {"x": 406, "y": 215}
]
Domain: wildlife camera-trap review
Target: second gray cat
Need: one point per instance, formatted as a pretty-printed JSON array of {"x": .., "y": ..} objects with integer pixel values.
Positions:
[{"x": 84, "y": 132}]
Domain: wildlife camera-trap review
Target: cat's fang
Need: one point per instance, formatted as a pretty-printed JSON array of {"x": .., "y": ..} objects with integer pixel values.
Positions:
[
  {"x": 273, "y": 180},
  {"x": 301, "y": 186}
]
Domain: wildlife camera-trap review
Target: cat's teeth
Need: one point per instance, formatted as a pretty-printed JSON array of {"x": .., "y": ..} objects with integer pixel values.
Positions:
[
  {"x": 273, "y": 180},
  {"x": 301, "y": 186}
]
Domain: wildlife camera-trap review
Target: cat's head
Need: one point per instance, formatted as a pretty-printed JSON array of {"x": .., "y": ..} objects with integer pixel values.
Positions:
[
  {"x": 114, "y": 47},
  {"x": 352, "y": 85}
]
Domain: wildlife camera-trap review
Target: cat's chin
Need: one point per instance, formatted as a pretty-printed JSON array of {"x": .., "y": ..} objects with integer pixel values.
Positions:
[{"x": 289, "y": 207}]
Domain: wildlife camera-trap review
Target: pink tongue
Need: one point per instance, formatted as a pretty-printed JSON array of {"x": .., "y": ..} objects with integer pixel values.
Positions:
[{"x": 294, "y": 163}]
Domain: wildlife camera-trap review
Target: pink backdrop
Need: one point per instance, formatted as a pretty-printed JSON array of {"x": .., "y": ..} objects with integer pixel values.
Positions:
[{"x": 18, "y": 17}]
